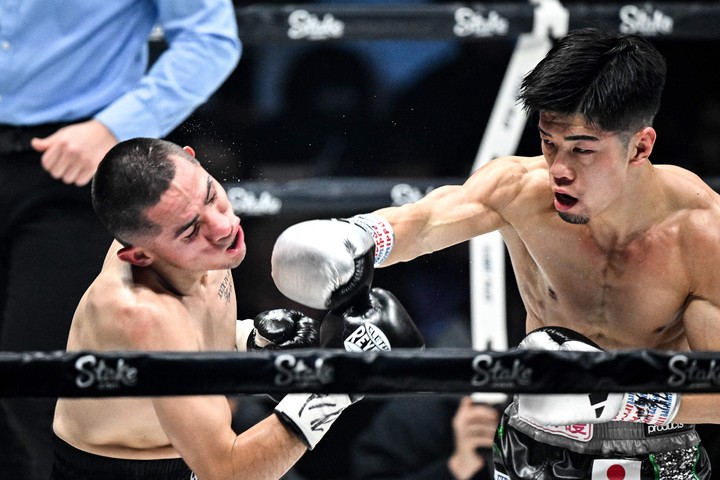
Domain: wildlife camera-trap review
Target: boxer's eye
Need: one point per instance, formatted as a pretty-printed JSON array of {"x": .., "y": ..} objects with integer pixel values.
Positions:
[{"x": 193, "y": 232}]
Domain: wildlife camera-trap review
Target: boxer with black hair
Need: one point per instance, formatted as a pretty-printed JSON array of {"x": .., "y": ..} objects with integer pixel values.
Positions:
[
  {"x": 602, "y": 242},
  {"x": 166, "y": 285}
]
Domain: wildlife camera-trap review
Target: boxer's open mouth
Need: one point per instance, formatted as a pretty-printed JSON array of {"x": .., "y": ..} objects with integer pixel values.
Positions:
[
  {"x": 234, "y": 242},
  {"x": 565, "y": 200}
]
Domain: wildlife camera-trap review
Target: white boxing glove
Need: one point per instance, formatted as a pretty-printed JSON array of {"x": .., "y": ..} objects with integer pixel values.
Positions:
[
  {"x": 244, "y": 334},
  {"x": 571, "y": 408},
  {"x": 310, "y": 415},
  {"x": 323, "y": 264}
]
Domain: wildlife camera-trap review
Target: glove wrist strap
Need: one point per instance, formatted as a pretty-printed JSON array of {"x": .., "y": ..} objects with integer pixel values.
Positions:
[
  {"x": 650, "y": 408},
  {"x": 381, "y": 231},
  {"x": 244, "y": 333}
]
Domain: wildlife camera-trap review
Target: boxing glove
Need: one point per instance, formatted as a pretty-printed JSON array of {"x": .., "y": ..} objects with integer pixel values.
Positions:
[
  {"x": 277, "y": 329},
  {"x": 376, "y": 325},
  {"x": 325, "y": 264},
  {"x": 376, "y": 321},
  {"x": 570, "y": 409}
]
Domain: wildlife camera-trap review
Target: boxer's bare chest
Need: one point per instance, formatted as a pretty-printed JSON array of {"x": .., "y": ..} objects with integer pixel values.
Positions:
[{"x": 626, "y": 295}]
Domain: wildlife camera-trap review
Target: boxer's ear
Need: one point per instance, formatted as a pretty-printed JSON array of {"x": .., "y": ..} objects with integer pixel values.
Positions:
[
  {"x": 642, "y": 145},
  {"x": 135, "y": 256}
]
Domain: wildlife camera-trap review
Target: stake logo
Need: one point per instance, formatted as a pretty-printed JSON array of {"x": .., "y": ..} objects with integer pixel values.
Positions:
[
  {"x": 692, "y": 373},
  {"x": 492, "y": 373},
  {"x": 306, "y": 25},
  {"x": 103, "y": 375},
  {"x": 294, "y": 371},
  {"x": 469, "y": 23},
  {"x": 645, "y": 21}
]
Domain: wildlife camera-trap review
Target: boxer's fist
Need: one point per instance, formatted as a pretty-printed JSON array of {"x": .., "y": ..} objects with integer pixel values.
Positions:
[
  {"x": 377, "y": 321},
  {"x": 310, "y": 415},
  {"x": 325, "y": 264},
  {"x": 277, "y": 329},
  {"x": 569, "y": 409}
]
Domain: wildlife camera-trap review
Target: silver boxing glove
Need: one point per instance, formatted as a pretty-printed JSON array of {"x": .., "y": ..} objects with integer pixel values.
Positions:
[{"x": 325, "y": 264}]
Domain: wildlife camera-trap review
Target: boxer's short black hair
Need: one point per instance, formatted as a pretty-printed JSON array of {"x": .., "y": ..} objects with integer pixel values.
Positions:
[
  {"x": 614, "y": 81},
  {"x": 132, "y": 177}
]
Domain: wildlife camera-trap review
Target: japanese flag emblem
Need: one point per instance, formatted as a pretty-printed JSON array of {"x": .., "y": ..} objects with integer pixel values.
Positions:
[{"x": 609, "y": 469}]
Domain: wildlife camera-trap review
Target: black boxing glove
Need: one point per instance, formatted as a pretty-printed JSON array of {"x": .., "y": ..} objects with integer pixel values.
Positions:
[
  {"x": 325, "y": 264},
  {"x": 277, "y": 329},
  {"x": 377, "y": 321}
]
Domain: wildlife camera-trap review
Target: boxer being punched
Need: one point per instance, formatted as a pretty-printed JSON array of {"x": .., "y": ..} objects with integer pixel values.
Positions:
[
  {"x": 602, "y": 242},
  {"x": 166, "y": 285}
]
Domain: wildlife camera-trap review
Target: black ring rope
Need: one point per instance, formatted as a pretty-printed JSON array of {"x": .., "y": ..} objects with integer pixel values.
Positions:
[
  {"x": 327, "y": 196},
  {"x": 337, "y": 195},
  {"x": 269, "y": 23},
  {"x": 120, "y": 374}
]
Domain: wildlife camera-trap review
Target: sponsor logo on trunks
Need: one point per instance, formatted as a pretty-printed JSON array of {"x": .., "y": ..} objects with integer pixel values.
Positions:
[
  {"x": 645, "y": 21},
  {"x": 304, "y": 24},
  {"x": 104, "y": 374},
  {"x": 501, "y": 476},
  {"x": 193, "y": 476},
  {"x": 581, "y": 432},
  {"x": 655, "y": 430},
  {"x": 294, "y": 371},
  {"x": 695, "y": 373},
  {"x": 469, "y": 23},
  {"x": 492, "y": 373},
  {"x": 611, "y": 469}
]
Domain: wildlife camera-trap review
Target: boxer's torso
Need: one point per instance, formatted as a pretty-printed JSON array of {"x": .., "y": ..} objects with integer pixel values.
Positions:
[
  {"x": 203, "y": 320},
  {"x": 621, "y": 293}
]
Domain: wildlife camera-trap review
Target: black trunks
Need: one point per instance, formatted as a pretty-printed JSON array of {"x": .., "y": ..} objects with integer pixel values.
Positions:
[
  {"x": 73, "y": 464},
  {"x": 604, "y": 451}
]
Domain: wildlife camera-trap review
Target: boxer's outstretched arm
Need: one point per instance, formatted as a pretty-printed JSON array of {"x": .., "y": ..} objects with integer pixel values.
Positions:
[{"x": 452, "y": 214}]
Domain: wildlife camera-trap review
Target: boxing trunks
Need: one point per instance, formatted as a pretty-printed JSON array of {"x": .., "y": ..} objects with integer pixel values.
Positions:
[
  {"x": 603, "y": 451},
  {"x": 73, "y": 464}
]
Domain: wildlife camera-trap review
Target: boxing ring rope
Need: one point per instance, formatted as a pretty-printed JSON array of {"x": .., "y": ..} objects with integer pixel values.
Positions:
[
  {"x": 269, "y": 23},
  {"x": 328, "y": 196},
  {"x": 129, "y": 374}
]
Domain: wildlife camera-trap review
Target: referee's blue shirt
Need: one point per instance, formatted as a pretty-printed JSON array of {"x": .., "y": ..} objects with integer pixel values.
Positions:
[{"x": 64, "y": 60}]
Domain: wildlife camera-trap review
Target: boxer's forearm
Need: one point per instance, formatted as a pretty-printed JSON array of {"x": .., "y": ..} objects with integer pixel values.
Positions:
[
  {"x": 698, "y": 408},
  {"x": 266, "y": 451}
]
